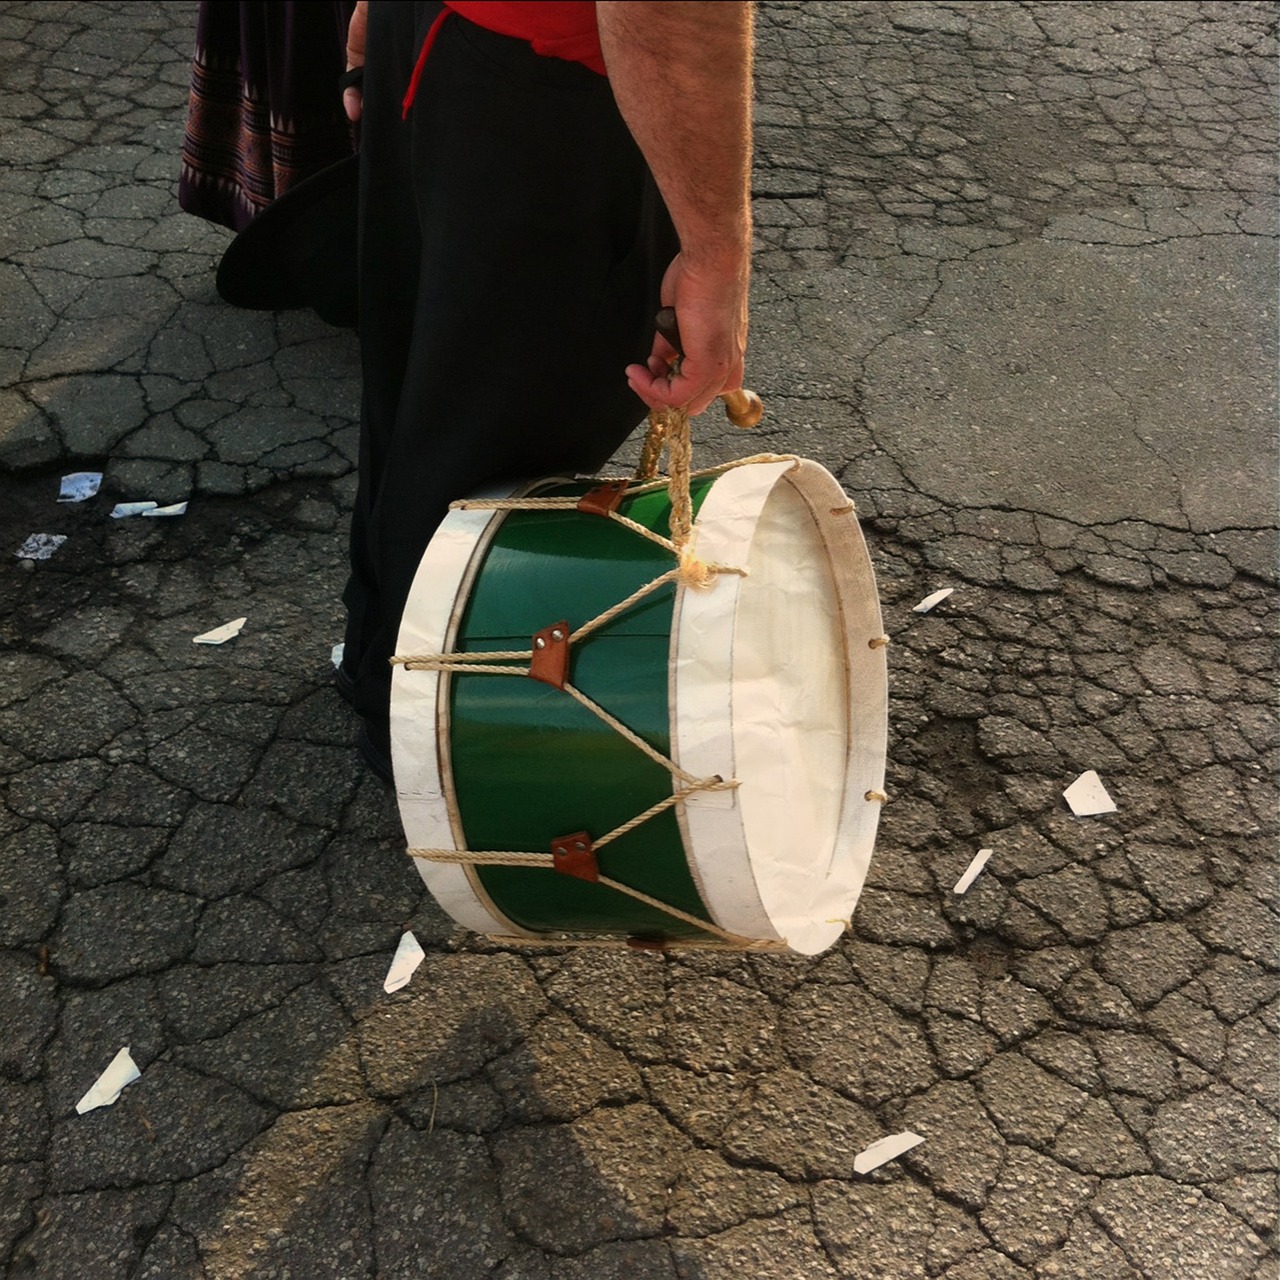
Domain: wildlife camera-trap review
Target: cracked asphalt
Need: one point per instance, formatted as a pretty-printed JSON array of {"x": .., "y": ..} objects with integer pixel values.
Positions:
[{"x": 1016, "y": 286}]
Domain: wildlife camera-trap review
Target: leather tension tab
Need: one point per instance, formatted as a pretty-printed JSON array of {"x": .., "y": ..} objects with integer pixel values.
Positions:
[
  {"x": 604, "y": 498},
  {"x": 574, "y": 856},
  {"x": 550, "y": 662}
]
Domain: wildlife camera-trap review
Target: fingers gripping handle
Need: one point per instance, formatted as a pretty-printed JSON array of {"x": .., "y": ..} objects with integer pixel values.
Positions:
[{"x": 742, "y": 408}]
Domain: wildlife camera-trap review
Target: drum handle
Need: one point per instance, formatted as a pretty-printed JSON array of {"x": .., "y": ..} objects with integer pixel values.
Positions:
[
  {"x": 669, "y": 429},
  {"x": 743, "y": 408}
]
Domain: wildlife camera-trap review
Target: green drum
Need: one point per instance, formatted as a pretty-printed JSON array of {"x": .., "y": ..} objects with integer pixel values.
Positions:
[{"x": 589, "y": 744}]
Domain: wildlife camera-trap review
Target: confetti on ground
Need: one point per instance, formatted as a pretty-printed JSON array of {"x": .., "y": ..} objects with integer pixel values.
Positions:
[
  {"x": 336, "y": 655},
  {"x": 122, "y": 510},
  {"x": 929, "y": 601},
  {"x": 220, "y": 635},
  {"x": 111, "y": 1083},
  {"x": 40, "y": 546},
  {"x": 1087, "y": 796},
  {"x": 176, "y": 509},
  {"x": 79, "y": 486},
  {"x": 886, "y": 1149},
  {"x": 971, "y": 872},
  {"x": 409, "y": 955}
]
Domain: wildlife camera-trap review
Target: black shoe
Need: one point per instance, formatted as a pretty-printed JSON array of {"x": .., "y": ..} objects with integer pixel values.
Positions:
[{"x": 374, "y": 744}]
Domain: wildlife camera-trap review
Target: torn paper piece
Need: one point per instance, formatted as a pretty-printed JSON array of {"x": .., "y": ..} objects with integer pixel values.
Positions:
[
  {"x": 335, "y": 655},
  {"x": 40, "y": 546},
  {"x": 409, "y": 955},
  {"x": 1087, "y": 796},
  {"x": 111, "y": 1083},
  {"x": 79, "y": 486},
  {"x": 176, "y": 509},
  {"x": 929, "y": 601},
  {"x": 886, "y": 1149},
  {"x": 971, "y": 872},
  {"x": 220, "y": 635},
  {"x": 122, "y": 510}
]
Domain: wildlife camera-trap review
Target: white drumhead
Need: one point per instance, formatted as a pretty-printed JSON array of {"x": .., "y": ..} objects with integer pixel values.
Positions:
[{"x": 775, "y": 683}]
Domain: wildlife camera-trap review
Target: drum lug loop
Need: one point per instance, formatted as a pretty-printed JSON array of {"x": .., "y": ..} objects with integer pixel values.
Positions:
[
  {"x": 574, "y": 856},
  {"x": 550, "y": 661}
]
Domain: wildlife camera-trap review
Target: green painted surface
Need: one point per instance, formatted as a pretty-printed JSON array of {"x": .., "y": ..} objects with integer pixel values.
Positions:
[{"x": 531, "y": 764}]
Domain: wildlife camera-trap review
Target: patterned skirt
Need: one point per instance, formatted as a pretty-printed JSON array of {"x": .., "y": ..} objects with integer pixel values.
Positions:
[{"x": 265, "y": 110}]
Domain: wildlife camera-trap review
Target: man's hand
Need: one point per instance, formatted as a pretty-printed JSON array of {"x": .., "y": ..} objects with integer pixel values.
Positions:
[
  {"x": 352, "y": 101},
  {"x": 681, "y": 74},
  {"x": 710, "y": 302}
]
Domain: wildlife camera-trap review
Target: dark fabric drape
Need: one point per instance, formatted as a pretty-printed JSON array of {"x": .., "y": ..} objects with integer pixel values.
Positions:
[
  {"x": 511, "y": 250},
  {"x": 264, "y": 110}
]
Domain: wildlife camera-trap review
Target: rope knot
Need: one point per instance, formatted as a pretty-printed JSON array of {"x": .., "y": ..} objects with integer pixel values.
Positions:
[{"x": 693, "y": 572}]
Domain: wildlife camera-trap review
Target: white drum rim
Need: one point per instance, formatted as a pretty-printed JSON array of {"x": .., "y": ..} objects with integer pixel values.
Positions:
[
  {"x": 419, "y": 707},
  {"x": 702, "y": 674}
]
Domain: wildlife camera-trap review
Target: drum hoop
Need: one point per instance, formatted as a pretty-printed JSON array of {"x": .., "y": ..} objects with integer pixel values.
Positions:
[
  {"x": 498, "y": 921},
  {"x": 725, "y": 875},
  {"x": 864, "y": 655}
]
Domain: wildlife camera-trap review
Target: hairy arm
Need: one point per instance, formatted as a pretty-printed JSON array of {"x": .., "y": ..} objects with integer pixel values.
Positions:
[{"x": 681, "y": 74}]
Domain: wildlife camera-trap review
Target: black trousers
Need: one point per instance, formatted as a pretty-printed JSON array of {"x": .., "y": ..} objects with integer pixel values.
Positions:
[{"x": 512, "y": 245}]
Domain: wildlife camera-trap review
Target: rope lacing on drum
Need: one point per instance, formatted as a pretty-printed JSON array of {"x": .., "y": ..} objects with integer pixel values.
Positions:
[
  {"x": 693, "y": 572},
  {"x": 668, "y": 430}
]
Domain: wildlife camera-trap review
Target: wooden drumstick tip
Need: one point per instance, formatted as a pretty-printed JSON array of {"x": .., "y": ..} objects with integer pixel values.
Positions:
[{"x": 743, "y": 408}]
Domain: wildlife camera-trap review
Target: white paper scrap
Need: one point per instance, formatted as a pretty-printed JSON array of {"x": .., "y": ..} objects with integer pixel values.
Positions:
[
  {"x": 886, "y": 1149},
  {"x": 335, "y": 655},
  {"x": 79, "y": 486},
  {"x": 220, "y": 635},
  {"x": 40, "y": 546},
  {"x": 122, "y": 510},
  {"x": 111, "y": 1083},
  {"x": 409, "y": 955},
  {"x": 929, "y": 601},
  {"x": 176, "y": 509},
  {"x": 1087, "y": 796},
  {"x": 971, "y": 872}
]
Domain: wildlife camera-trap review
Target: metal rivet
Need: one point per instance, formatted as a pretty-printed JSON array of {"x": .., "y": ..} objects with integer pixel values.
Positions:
[
  {"x": 540, "y": 643},
  {"x": 557, "y": 634}
]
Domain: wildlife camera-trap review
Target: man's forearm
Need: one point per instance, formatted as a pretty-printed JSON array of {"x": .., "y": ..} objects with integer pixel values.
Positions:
[{"x": 681, "y": 74}]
